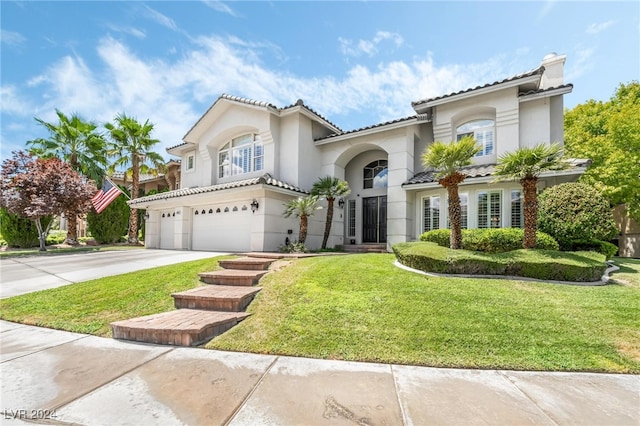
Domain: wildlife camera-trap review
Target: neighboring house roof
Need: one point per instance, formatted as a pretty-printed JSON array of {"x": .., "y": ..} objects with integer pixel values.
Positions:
[
  {"x": 538, "y": 71},
  {"x": 265, "y": 179},
  {"x": 485, "y": 170},
  {"x": 143, "y": 176}
]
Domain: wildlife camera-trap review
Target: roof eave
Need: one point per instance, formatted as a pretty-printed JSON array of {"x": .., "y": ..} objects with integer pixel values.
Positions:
[
  {"x": 369, "y": 131},
  {"x": 546, "y": 94}
]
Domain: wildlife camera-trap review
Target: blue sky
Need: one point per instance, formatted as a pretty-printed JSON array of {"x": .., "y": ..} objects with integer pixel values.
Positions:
[{"x": 356, "y": 63}]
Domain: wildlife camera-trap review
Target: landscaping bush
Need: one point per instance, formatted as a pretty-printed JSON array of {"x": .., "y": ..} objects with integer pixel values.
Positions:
[
  {"x": 575, "y": 212},
  {"x": 109, "y": 226},
  {"x": 19, "y": 231},
  {"x": 56, "y": 237},
  {"x": 602, "y": 247},
  {"x": 495, "y": 240},
  {"x": 540, "y": 264}
]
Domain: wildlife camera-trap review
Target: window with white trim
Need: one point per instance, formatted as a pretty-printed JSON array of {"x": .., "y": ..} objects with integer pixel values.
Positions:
[
  {"x": 489, "y": 209},
  {"x": 191, "y": 162},
  {"x": 517, "y": 216},
  {"x": 352, "y": 218},
  {"x": 244, "y": 154},
  {"x": 483, "y": 131},
  {"x": 431, "y": 213}
]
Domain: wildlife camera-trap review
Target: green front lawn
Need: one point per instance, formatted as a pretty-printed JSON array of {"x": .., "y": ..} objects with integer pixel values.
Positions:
[{"x": 362, "y": 307}]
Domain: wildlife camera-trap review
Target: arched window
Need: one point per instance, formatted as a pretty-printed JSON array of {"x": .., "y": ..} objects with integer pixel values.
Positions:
[
  {"x": 244, "y": 154},
  {"x": 375, "y": 175},
  {"x": 483, "y": 131}
]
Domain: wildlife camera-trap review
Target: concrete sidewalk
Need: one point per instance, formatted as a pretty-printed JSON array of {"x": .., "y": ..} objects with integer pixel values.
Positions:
[{"x": 89, "y": 380}]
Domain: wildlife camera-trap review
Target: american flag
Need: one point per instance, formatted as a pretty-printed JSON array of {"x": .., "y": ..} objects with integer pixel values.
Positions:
[{"x": 105, "y": 196}]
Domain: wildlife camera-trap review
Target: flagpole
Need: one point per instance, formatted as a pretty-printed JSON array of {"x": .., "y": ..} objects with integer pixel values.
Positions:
[{"x": 111, "y": 182}]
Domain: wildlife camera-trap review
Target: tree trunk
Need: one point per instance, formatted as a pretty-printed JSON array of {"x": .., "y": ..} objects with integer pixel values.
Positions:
[
  {"x": 72, "y": 230},
  {"x": 303, "y": 230},
  {"x": 530, "y": 209},
  {"x": 327, "y": 225},
  {"x": 42, "y": 235},
  {"x": 132, "y": 237},
  {"x": 451, "y": 182}
]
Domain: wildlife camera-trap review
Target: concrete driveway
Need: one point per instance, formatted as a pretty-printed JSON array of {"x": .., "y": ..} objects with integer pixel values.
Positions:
[{"x": 20, "y": 275}]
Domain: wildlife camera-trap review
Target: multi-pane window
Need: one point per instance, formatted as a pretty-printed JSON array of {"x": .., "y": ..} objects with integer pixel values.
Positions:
[
  {"x": 375, "y": 175},
  {"x": 244, "y": 154},
  {"x": 517, "y": 218},
  {"x": 431, "y": 213},
  {"x": 483, "y": 131},
  {"x": 489, "y": 209},
  {"x": 352, "y": 218},
  {"x": 191, "y": 160}
]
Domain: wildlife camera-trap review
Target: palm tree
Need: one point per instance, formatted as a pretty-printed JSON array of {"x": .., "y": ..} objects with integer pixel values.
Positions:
[
  {"x": 75, "y": 141},
  {"x": 525, "y": 165},
  {"x": 447, "y": 159},
  {"x": 329, "y": 188},
  {"x": 302, "y": 207},
  {"x": 131, "y": 148}
]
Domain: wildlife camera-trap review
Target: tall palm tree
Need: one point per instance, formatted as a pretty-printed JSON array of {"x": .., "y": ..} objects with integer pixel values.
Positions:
[
  {"x": 525, "y": 165},
  {"x": 447, "y": 159},
  {"x": 302, "y": 207},
  {"x": 132, "y": 150},
  {"x": 76, "y": 142},
  {"x": 329, "y": 188}
]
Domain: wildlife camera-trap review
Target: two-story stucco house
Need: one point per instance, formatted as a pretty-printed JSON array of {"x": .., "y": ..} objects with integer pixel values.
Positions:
[{"x": 243, "y": 159}]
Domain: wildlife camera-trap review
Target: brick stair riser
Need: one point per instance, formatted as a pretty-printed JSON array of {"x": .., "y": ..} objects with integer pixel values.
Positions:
[
  {"x": 173, "y": 337},
  {"x": 236, "y": 281},
  {"x": 245, "y": 266},
  {"x": 213, "y": 305}
]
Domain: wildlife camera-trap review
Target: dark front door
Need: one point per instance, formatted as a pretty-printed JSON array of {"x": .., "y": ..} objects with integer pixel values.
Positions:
[{"x": 374, "y": 219}]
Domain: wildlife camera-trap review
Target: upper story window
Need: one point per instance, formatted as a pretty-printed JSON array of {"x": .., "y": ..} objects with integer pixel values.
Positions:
[
  {"x": 375, "y": 174},
  {"x": 483, "y": 131},
  {"x": 244, "y": 154}
]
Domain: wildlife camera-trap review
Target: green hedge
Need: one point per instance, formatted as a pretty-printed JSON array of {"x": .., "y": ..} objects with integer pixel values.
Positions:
[
  {"x": 540, "y": 264},
  {"x": 495, "y": 240},
  {"x": 602, "y": 247},
  {"x": 20, "y": 231}
]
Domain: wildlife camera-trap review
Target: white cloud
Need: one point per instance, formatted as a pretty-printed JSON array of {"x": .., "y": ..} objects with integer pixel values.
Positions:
[
  {"x": 599, "y": 27},
  {"x": 581, "y": 63},
  {"x": 546, "y": 8},
  {"x": 11, "y": 38},
  {"x": 128, "y": 30},
  {"x": 12, "y": 102},
  {"x": 220, "y": 6},
  {"x": 368, "y": 47},
  {"x": 161, "y": 19},
  {"x": 174, "y": 92}
]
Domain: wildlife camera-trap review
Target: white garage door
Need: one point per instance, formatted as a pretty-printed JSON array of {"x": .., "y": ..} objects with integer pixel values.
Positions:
[
  {"x": 167, "y": 230},
  {"x": 222, "y": 228}
]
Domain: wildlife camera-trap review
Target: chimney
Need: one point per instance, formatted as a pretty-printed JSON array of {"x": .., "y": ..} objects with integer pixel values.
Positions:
[{"x": 553, "y": 70}]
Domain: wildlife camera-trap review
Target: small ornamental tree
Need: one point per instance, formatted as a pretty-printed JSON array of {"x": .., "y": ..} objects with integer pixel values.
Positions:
[
  {"x": 37, "y": 188},
  {"x": 302, "y": 208},
  {"x": 575, "y": 212}
]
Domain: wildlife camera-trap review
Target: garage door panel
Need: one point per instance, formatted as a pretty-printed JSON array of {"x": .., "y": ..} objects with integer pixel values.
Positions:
[
  {"x": 167, "y": 230},
  {"x": 225, "y": 228}
]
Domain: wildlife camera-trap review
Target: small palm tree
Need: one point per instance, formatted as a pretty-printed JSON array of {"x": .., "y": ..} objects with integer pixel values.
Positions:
[
  {"x": 525, "y": 165},
  {"x": 447, "y": 159},
  {"x": 76, "y": 142},
  {"x": 132, "y": 148},
  {"x": 302, "y": 207},
  {"x": 329, "y": 188}
]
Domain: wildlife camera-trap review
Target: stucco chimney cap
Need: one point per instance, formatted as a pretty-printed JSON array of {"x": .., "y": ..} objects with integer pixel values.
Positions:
[{"x": 549, "y": 56}]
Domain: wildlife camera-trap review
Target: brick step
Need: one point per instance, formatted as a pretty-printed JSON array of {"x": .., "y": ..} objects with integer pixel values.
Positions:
[
  {"x": 247, "y": 263},
  {"x": 364, "y": 248},
  {"x": 184, "y": 327},
  {"x": 265, "y": 255},
  {"x": 232, "y": 277},
  {"x": 216, "y": 298}
]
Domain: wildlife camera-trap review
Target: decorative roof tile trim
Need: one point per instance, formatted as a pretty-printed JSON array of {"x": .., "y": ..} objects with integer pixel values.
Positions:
[
  {"x": 301, "y": 103},
  {"x": 536, "y": 71},
  {"x": 373, "y": 126},
  {"x": 247, "y": 101},
  {"x": 479, "y": 171},
  {"x": 549, "y": 89},
  {"x": 265, "y": 179},
  {"x": 177, "y": 146}
]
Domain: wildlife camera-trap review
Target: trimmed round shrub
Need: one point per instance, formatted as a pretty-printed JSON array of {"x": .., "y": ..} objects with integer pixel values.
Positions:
[
  {"x": 575, "y": 212},
  {"x": 496, "y": 240},
  {"x": 602, "y": 247}
]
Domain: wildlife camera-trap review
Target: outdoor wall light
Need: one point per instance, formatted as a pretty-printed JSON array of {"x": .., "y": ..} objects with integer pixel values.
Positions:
[
  {"x": 254, "y": 205},
  {"x": 341, "y": 203},
  {"x": 146, "y": 215}
]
